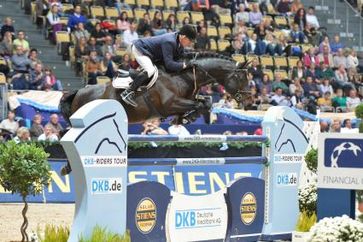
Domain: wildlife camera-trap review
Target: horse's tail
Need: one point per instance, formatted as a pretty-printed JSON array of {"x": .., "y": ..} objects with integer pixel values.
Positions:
[{"x": 66, "y": 104}]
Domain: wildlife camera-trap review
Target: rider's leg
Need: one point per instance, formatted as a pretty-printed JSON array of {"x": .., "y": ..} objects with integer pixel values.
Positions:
[{"x": 147, "y": 70}]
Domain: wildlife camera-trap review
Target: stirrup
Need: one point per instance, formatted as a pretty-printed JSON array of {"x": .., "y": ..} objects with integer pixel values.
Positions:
[{"x": 128, "y": 97}]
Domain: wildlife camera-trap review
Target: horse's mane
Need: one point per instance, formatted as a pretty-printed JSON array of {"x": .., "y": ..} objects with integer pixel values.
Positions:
[{"x": 205, "y": 54}]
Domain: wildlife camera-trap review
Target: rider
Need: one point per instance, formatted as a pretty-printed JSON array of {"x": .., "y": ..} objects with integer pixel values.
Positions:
[{"x": 166, "y": 48}]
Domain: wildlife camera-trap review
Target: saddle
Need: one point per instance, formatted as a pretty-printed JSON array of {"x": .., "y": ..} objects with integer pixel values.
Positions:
[{"x": 123, "y": 80}]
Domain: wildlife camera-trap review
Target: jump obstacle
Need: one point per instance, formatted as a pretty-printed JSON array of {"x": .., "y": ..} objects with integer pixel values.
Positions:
[{"x": 247, "y": 209}]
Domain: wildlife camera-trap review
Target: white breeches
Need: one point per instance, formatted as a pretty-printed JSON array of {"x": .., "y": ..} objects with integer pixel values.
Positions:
[{"x": 144, "y": 61}]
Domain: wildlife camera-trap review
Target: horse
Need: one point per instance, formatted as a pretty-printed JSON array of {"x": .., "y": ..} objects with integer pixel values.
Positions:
[{"x": 173, "y": 94}]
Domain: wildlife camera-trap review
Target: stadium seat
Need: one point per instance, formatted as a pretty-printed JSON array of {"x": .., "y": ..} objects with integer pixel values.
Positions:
[
  {"x": 281, "y": 21},
  {"x": 143, "y": 3},
  {"x": 283, "y": 74},
  {"x": 63, "y": 20},
  {"x": 280, "y": 62},
  {"x": 152, "y": 12},
  {"x": 111, "y": 12},
  {"x": 181, "y": 15},
  {"x": 157, "y": 3},
  {"x": 293, "y": 61},
  {"x": 269, "y": 73},
  {"x": 267, "y": 17},
  {"x": 251, "y": 57},
  {"x": 223, "y": 44},
  {"x": 121, "y": 52},
  {"x": 166, "y": 14},
  {"x": 277, "y": 33},
  {"x": 270, "y": 9},
  {"x": 129, "y": 12},
  {"x": 213, "y": 45},
  {"x": 62, "y": 36},
  {"x": 196, "y": 16},
  {"x": 2, "y": 78},
  {"x": 223, "y": 31},
  {"x": 139, "y": 13},
  {"x": 130, "y": 2},
  {"x": 266, "y": 61},
  {"x": 212, "y": 31},
  {"x": 103, "y": 79},
  {"x": 250, "y": 31},
  {"x": 171, "y": 4},
  {"x": 305, "y": 47},
  {"x": 97, "y": 11},
  {"x": 67, "y": 7},
  {"x": 239, "y": 58},
  {"x": 225, "y": 19},
  {"x": 94, "y": 21}
]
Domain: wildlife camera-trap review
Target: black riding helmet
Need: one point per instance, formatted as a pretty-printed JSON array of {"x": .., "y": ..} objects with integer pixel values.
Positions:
[{"x": 188, "y": 31}]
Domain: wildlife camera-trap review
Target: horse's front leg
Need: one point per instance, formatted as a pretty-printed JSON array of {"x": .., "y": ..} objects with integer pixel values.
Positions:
[{"x": 189, "y": 110}]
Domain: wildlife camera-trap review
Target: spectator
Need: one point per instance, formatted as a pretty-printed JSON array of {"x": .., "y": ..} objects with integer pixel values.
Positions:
[
  {"x": 108, "y": 67},
  {"x": 76, "y": 18},
  {"x": 335, "y": 126},
  {"x": 297, "y": 100},
  {"x": 226, "y": 102},
  {"x": 7, "y": 27},
  {"x": 324, "y": 46},
  {"x": 273, "y": 46},
  {"x": 20, "y": 41},
  {"x": 22, "y": 135},
  {"x": 325, "y": 86},
  {"x": 120, "y": 5},
  {"x": 20, "y": 61},
  {"x": 99, "y": 34},
  {"x": 37, "y": 128},
  {"x": 158, "y": 24},
  {"x": 264, "y": 97},
  {"x": 336, "y": 44},
  {"x": 340, "y": 59},
  {"x": 242, "y": 15},
  {"x": 81, "y": 32},
  {"x": 256, "y": 71},
  {"x": 277, "y": 83},
  {"x": 311, "y": 18},
  {"x": 325, "y": 102},
  {"x": 92, "y": 46},
  {"x": 325, "y": 72},
  {"x": 352, "y": 62},
  {"x": 339, "y": 100},
  {"x": 353, "y": 100},
  {"x": 50, "y": 81},
  {"x": 144, "y": 24},
  {"x": 125, "y": 64},
  {"x": 310, "y": 88},
  {"x": 295, "y": 6},
  {"x": 265, "y": 84},
  {"x": 10, "y": 124},
  {"x": 278, "y": 99},
  {"x": 130, "y": 35},
  {"x": 311, "y": 71},
  {"x": 324, "y": 127},
  {"x": 341, "y": 76},
  {"x": 296, "y": 35},
  {"x": 122, "y": 22},
  {"x": 93, "y": 68},
  {"x": 48, "y": 135},
  {"x": 41, "y": 10},
  {"x": 178, "y": 129},
  {"x": 36, "y": 77},
  {"x": 6, "y": 45},
  {"x": 296, "y": 85},
  {"x": 171, "y": 23},
  {"x": 202, "y": 41},
  {"x": 250, "y": 44},
  {"x": 53, "y": 17},
  {"x": 33, "y": 57},
  {"x": 283, "y": 7},
  {"x": 300, "y": 19},
  {"x": 153, "y": 127},
  {"x": 260, "y": 31},
  {"x": 298, "y": 71},
  {"x": 81, "y": 54},
  {"x": 348, "y": 127},
  {"x": 326, "y": 57},
  {"x": 108, "y": 46},
  {"x": 55, "y": 125},
  {"x": 186, "y": 20},
  {"x": 310, "y": 57},
  {"x": 255, "y": 15},
  {"x": 312, "y": 36}
]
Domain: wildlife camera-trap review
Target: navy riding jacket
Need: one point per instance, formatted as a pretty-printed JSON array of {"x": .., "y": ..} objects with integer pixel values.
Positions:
[{"x": 163, "y": 48}]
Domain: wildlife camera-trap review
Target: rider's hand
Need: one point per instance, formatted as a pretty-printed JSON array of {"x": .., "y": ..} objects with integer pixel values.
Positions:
[{"x": 190, "y": 64}]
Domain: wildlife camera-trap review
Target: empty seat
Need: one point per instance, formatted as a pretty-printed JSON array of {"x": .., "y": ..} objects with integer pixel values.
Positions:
[
  {"x": 225, "y": 19},
  {"x": 181, "y": 15},
  {"x": 223, "y": 44},
  {"x": 139, "y": 13},
  {"x": 111, "y": 12},
  {"x": 213, "y": 45},
  {"x": 171, "y": 4},
  {"x": 280, "y": 62},
  {"x": 196, "y": 16},
  {"x": 238, "y": 57},
  {"x": 212, "y": 31},
  {"x": 97, "y": 11},
  {"x": 266, "y": 60},
  {"x": 223, "y": 31},
  {"x": 293, "y": 61}
]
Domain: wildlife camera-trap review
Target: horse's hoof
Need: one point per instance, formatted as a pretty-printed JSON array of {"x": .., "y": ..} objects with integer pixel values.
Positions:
[{"x": 66, "y": 170}]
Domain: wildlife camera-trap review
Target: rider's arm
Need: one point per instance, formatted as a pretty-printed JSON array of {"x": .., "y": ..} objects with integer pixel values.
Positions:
[{"x": 169, "y": 62}]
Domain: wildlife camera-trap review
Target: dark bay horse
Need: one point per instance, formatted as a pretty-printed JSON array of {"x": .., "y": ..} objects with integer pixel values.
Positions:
[{"x": 173, "y": 93}]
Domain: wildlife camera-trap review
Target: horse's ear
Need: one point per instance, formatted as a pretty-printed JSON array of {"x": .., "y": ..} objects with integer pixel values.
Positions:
[{"x": 243, "y": 65}]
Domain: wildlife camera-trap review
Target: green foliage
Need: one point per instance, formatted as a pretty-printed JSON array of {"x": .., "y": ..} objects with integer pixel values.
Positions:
[
  {"x": 359, "y": 111},
  {"x": 361, "y": 126},
  {"x": 102, "y": 234},
  {"x": 54, "y": 233},
  {"x": 24, "y": 168},
  {"x": 359, "y": 195},
  {"x": 311, "y": 159},
  {"x": 305, "y": 222},
  {"x": 238, "y": 145}
]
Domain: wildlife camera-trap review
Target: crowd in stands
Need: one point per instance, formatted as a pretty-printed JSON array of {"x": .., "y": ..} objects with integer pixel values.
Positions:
[
  {"x": 357, "y": 4},
  {"x": 293, "y": 60},
  {"x": 20, "y": 63}
]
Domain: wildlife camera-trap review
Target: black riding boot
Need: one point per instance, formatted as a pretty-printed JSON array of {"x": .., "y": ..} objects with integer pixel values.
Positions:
[{"x": 138, "y": 79}]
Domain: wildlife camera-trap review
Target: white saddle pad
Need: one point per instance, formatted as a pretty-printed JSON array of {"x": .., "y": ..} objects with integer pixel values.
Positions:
[{"x": 124, "y": 82}]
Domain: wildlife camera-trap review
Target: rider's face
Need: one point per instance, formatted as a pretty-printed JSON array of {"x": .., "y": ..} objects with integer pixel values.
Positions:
[{"x": 184, "y": 41}]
